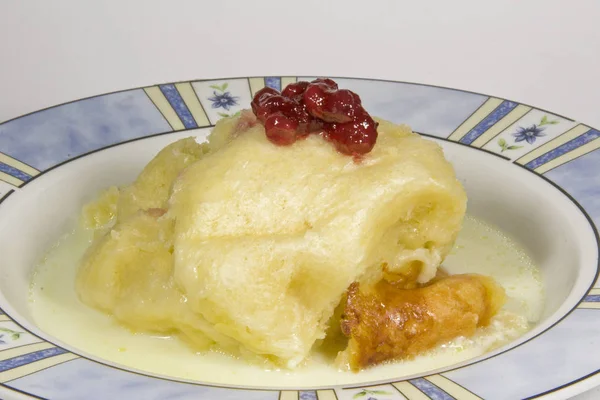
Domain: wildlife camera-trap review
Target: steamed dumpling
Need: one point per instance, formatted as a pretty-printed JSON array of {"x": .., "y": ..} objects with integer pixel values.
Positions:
[{"x": 266, "y": 239}]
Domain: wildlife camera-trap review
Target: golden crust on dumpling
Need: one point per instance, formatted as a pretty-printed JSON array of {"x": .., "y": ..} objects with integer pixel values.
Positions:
[{"x": 385, "y": 323}]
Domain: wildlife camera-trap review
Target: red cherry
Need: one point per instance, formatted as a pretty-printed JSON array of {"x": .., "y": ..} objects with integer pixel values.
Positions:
[
  {"x": 281, "y": 130},
  {"x": 261, "y": 96},
  {"x": 295, "y": 90},
  {"x": 315, "y": 98},
  {"x": 326, "y": 82},
  {"x": 341, "y": 106},
  {"x": 299, "y": 113},
  {"x": 356, "y": 137},
  {"x": 313, "y": 125},
  {"x": 331, "y": 105},
  {"x": 270, "y": 104}
]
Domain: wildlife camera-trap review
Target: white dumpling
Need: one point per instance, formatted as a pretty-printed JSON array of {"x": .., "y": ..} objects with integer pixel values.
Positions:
[
  {"x": 267, "y": 239},
  {"x": 248, "y": 247}
]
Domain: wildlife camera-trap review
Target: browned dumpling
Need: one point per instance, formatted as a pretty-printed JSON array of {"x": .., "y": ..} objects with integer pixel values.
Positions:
[{"x": 386, "y": 323}]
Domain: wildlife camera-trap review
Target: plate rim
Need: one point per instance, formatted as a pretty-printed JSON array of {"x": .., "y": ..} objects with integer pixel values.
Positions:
[{"x": 583, "y": 381}]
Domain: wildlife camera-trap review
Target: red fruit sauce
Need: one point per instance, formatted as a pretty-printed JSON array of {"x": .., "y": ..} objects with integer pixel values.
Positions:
[{"x": 317, "y": 107}]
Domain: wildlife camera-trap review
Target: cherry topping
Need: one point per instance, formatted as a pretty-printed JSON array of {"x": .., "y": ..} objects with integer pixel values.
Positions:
[
  {"x": 262, "y": 95},
  {"x": 316, "y": 107},
  {"x": 355, "y": 137},
  {"x": 326, "y": 82},
  {"x": 271, "y": 103},
  {"x": 312, "y": 126},
  {"x": 331, "y": 105},
  {"x": 295, "y": 89},
  {"x": 315, "y": 98},
  {"x": 281, "y": 129}
]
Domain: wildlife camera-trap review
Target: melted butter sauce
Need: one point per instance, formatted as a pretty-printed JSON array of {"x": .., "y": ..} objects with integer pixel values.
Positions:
[{"x": 479, "y": 248}]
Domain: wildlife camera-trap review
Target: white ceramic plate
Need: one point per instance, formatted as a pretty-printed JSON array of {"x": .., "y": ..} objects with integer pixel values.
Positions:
[{"x": 533, "y": 173}]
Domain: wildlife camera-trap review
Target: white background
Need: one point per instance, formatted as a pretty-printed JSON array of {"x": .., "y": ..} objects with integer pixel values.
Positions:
[{"x": 544, "y": 53}]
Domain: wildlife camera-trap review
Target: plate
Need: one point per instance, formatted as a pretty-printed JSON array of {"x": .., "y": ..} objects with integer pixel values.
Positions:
[{"x": 535, "y": 153}]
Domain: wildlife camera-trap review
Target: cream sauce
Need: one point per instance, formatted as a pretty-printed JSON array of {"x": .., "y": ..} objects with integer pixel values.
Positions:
[{"x": 480, "y": 248}]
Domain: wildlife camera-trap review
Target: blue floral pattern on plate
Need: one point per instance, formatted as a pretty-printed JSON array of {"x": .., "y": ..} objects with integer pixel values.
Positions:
[
  {"x": 372, "y": 394},
  {"x": 532, "y": 130},
  {"x": 12, "y": 335},
  {"x": 221, "y": 98},
  {"x": 9, "y": 335},
  {"x": 528, "y": 134}
]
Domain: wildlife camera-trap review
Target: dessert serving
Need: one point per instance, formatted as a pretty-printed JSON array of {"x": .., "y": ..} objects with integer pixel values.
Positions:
[{"x": 302, "y": 227}]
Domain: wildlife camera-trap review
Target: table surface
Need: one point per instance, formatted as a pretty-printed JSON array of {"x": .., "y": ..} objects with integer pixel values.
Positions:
[{"x": 545, "y": 53}]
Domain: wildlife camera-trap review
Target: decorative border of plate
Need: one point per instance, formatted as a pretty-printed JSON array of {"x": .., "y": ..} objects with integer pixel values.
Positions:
[{"x": 559, "y": 150}]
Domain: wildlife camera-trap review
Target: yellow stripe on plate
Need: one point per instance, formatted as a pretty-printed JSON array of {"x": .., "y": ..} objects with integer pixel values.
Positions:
[
  {"x": 8, "y": 160},
  {"x": 286, "y": 80},
  {"x": 501, "y": 125},
  {"x": 4, "y": 317},
  {"x": 595, "y": 290},
  {"x": 26, "y": 349},
  {"x": 409, "y": 391},
  {"x": 288, "y": 395},
  {"x": 36, "y": 366},
  {"x": 10, "y": 179},
  {"x": 452, "y": 388},
  {"x": 589, "y": 305},
  {"x": 161, "y": 102},
  {"x": 193, "y": 104},
  {"x": 256, "y": 84},
  {"x": 483, "y": 111},
  {"x": 554, "y": 143},
  {"x": 326, "y": 394},
  {"x": 565, "y": 158}
]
